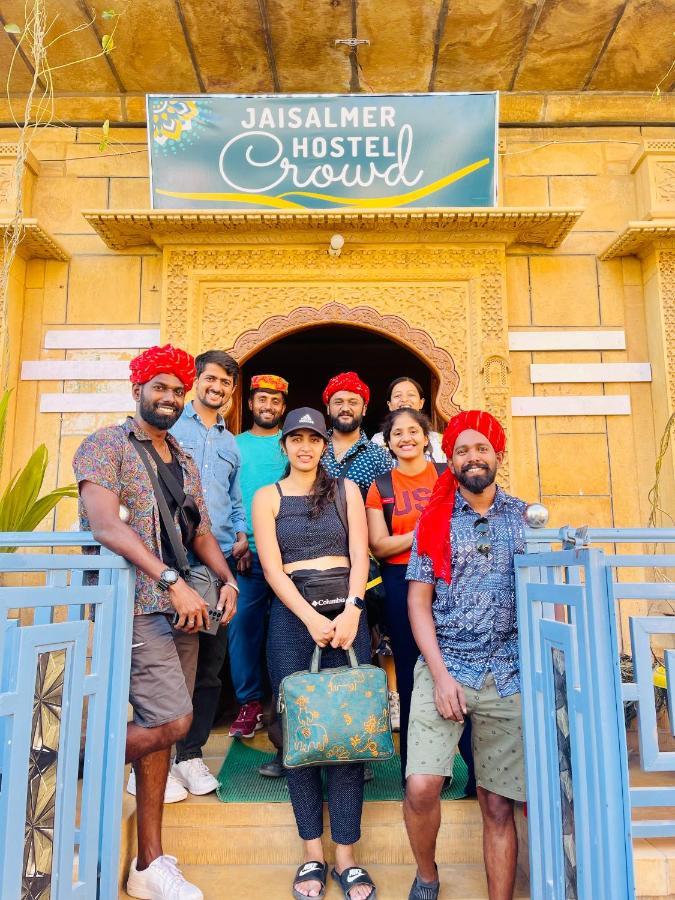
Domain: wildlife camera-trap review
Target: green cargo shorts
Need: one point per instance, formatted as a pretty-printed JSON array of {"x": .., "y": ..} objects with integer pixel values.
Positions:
[{"x": 497, "y": 736}]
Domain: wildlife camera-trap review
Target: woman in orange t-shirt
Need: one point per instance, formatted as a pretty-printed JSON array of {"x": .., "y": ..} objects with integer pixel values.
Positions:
[{"x": 406, "y": 433}]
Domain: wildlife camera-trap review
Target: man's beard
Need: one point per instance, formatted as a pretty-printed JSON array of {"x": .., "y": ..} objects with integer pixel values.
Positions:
[
  {"x": 476, "y": 483},
  {"x": 268, "y": 424},
  {"x": 346, "y": 426},
  {"x": 163, "y": 421},
  {"x": 211, "y": 403}
]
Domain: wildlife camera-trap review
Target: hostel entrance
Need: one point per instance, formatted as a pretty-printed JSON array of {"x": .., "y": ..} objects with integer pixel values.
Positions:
[{"x": 308, "y": 358}]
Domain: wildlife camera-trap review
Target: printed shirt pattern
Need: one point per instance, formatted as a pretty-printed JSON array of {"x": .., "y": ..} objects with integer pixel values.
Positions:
[
  {"x": 108, "y": 458},
  {"x": 370, "y": 462},
  {"x": 217, "y": 456},
  {"x": 475, "y": 615}
]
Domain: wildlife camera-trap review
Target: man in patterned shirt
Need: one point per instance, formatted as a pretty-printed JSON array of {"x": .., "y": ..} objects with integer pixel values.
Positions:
[
  {"x": 111, "y": 474},
  {"x": 350, "y": 454},
  {"x": 461, "y": 602}
]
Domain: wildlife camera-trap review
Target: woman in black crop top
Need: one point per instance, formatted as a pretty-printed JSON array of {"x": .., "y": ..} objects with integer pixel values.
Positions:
[{"x": 299, "y": 532}]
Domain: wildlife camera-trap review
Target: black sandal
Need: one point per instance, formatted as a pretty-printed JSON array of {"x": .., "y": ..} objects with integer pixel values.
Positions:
[
  {"x": 311, "y": 871},
  {"x": 352, "y": 876}
]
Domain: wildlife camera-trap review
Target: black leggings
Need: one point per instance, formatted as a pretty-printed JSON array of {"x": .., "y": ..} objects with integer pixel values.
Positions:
[{"x": 289, "y": 649}]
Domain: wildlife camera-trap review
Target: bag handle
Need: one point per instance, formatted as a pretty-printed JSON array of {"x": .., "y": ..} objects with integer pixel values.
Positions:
[
  {"x": 164, "y": 514},
  {"x": 315, "y": 664}
]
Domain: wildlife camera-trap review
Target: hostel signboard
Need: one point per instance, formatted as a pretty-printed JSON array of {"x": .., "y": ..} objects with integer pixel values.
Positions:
[{"x": 322, "y": 152}]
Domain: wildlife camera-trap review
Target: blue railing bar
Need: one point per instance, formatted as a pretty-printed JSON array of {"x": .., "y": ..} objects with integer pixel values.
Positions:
[
  {"x": 23, "y": 562},
  {"x": 44, "y": 594},
  {"x": 47, "y": 539},
  {"x": 558, "y": 558},
  {"x": 643, "y": 560},
  {"x": 652, "y": 796},
  {"x": 629, "y": 691},
  {"x": 653, "y": 828},
  {"x": 565, "y": 594},
  {"x": 606, "y": 535},
  {"x": 627, "y": 590}
]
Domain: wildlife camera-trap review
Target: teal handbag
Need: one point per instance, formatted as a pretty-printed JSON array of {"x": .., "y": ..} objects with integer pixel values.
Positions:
[{"x": 332, "y": 716}]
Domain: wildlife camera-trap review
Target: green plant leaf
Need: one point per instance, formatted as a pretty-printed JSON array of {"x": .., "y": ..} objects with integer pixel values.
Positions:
[
  {"x": 107, "y": 43},
  {"x": 4, "y": 406},
  {"x": 37, "y": 512},
  {"x": 106, "y": 134},
  {"x": 12, "y": 28},
  {"x": 108, "y": 14}
]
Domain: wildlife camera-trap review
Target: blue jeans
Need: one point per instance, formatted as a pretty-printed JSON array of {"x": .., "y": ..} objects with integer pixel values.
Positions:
[{"x": 246, "y": 633}]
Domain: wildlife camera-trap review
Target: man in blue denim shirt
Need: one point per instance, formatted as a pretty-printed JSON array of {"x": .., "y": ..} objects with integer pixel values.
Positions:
[
  {"x": 201, "y": 432},
  {"x": 461, "y": 603}
]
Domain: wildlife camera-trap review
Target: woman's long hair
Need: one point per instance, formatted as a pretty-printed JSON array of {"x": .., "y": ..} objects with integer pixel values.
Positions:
[
  {"x": 322, "y": 491},
  {"x": 421, "y": 418}
]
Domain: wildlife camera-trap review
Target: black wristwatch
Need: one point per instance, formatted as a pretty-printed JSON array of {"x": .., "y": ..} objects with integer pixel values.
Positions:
[
  {"x": 167, "y": 578},
  {"x": 358, "y": 602}
]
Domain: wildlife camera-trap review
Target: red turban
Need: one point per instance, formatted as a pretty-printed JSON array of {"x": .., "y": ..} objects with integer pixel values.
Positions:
[
  {"x": 166, "y": 360},
  {"x": 433, "y": 533},
  {"x": 346, "y": 381}
]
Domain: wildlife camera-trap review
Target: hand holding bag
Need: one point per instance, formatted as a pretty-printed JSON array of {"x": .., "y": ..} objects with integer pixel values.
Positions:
[
  {"x": 338, "y": 715},
  {"x": 200, "y": 578}
]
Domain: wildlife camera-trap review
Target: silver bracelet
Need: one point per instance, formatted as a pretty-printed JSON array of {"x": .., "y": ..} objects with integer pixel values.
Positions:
[{"x": 232, "y": 584}]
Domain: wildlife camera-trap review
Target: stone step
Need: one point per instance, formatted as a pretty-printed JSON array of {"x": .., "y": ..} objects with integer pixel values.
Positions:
[{"x": 271, "y": 882}]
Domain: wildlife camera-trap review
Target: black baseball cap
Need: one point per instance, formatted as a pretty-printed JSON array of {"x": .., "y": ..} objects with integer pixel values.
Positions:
[{"x": 305, "y": 418}]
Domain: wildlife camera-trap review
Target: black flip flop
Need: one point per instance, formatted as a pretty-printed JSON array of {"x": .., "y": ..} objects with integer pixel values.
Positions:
[
  {"x": 352, "y": 876},
  {"x": 311, "y": 871}
]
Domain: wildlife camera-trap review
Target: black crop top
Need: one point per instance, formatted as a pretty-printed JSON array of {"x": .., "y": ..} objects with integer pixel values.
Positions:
[{"x": 301, "y": 537}]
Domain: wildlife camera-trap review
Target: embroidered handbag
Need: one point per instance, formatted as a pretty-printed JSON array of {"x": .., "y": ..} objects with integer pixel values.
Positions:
[{"x": 332, "y": 716}]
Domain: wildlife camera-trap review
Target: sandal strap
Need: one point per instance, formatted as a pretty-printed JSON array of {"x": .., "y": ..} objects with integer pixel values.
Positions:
[
  {"x": 423, "y": 891},
  {"x": 352, "y": 876},
  {"x": 311, "y": 871}
]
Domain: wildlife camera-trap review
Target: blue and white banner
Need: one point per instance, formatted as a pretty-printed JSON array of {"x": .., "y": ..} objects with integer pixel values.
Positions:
[{"x": 322, "y": 152}]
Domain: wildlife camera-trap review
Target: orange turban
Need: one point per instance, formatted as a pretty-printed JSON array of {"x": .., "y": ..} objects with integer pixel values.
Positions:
[
  {"x": 433, "y": 532},
  {"x": 346, "y": 381},
  {"x": 166, "y": 360}
]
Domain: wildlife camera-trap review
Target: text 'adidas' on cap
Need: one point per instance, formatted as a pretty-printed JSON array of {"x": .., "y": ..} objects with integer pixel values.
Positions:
[{"x": 305, "y": 417}]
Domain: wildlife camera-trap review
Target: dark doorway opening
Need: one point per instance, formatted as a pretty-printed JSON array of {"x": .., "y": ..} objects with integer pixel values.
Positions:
[{"x": 308, "y": 358}]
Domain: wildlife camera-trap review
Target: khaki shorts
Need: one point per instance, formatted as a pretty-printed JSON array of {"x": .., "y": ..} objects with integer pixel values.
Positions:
[
  {"x": 163, "y": 669},
  {"x": 497, "y": 736}
]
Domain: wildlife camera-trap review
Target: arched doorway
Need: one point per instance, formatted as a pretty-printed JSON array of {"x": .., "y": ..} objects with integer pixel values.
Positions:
[{"x": 309, "y": 357}]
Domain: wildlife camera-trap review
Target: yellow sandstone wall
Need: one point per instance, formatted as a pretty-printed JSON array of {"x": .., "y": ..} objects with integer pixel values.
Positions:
[{"x": 587, "y": 469}]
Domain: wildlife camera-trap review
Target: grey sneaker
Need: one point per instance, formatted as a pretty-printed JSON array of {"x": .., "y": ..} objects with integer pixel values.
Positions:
[
  {"x": 274, "y": 768},
  {"x": 424, "y": 890}
]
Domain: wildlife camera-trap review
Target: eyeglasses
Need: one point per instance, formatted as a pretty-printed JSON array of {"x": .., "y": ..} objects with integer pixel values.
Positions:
[{"x": 483, "y": 542}]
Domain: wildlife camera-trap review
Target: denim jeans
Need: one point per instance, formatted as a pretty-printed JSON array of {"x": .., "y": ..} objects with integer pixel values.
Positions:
[
  {"x": 246, "y": 634},
  {"x": 208, "y": 685}
]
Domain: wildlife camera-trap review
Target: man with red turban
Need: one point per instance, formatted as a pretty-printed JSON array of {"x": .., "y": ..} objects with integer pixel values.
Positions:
[
  {"x": 112, "y": 467},
  {"x": 462, "y": 608},
  {"x": 350, "y": 454}
]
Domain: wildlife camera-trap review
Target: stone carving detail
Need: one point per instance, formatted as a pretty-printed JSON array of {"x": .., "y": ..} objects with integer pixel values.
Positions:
[
  {"x": 391, "y": 326},
  {"x": 666, "y": 264},
  {"x": 446, "y": 303},
  {"x": 664, "y": 181}
]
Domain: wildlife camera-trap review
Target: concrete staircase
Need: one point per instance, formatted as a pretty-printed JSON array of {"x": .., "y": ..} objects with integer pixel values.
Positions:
[{"x": 244, "y": 850}]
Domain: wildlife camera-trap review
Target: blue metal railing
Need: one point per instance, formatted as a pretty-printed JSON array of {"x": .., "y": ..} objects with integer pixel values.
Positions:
[
  {"x": 580, "y": 800},
  {"x": 65, "y": 649}
]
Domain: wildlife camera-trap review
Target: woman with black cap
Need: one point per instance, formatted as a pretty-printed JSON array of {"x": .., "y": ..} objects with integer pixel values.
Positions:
[{"x": 309, "y": 527}]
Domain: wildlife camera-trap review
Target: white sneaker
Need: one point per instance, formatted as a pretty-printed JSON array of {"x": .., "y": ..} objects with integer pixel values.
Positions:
[
  {"x": 194, "y": 775},
  {"x": 173, "y": 792},
  {"x": 162, "y": 880},
  {"x": 394, "y": 711}
]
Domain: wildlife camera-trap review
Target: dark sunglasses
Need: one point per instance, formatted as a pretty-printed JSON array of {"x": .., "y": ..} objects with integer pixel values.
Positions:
[{"x": 483, "y": 542}]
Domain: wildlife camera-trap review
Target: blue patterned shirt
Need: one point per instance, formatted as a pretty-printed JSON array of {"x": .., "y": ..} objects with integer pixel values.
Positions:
[
  {"x": 369, "y": 461},
  {"x": 475, "y": 615}
]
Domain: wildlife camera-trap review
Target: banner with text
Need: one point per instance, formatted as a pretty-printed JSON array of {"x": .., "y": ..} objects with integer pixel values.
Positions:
[{"x": 323, "y": 151}]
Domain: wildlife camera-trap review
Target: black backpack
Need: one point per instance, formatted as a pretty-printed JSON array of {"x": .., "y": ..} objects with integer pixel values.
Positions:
[{"x": 385, "y": 486}]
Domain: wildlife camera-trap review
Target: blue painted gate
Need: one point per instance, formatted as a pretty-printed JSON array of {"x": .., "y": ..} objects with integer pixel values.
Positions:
[
  {"x": 580, "y": 800},
  {"x": 63, "y": 706}
]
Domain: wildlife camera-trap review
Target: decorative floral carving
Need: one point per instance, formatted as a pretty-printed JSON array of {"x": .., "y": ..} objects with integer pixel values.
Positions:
[{"x": 664, "y": 181}]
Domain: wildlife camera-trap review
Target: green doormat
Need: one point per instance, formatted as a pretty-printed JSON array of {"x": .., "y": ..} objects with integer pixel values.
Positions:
[{"x": 239, "y": 782}]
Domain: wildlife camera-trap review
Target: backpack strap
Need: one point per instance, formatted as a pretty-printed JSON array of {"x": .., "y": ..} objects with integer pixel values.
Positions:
[
  {"x": 440, "y": 467},
  {"x": 385, "y": 487},
  {"x": 340, "y": 502}
]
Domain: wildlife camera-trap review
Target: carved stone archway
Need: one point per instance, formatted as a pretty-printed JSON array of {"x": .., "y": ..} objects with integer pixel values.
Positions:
[{"x": 393, "y": 327}]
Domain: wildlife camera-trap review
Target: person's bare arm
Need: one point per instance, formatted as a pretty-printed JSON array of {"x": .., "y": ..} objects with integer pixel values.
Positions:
[
  {"x": 264, "y": 528},
  {"x": 102, "y": 506},
  {"x": 381, "y": 542},
  {"x": 448, "y": 692},
  {"x": 347, "y": 623}
]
